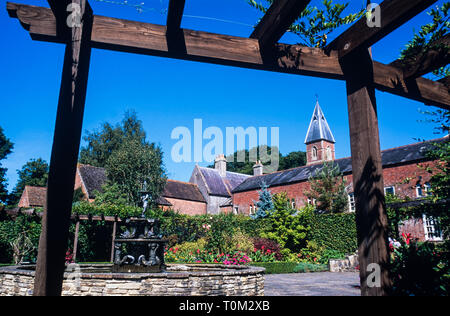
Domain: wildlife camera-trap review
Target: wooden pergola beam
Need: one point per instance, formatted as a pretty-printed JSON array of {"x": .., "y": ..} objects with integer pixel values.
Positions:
[
  {"x": 150, "y": 39},
  {"x": 394, "y": 13},
  {"x": 426, "y": 62},
  {"x": 277, "y": 20},
  {"x": 445, "y": 81},
  {"x": 175, "y": 16},
  {"x": 54, "y": 236}
]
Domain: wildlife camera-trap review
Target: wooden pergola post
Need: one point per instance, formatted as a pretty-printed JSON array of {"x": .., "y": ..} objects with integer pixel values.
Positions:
[
  {"x": 66, "y": 142},
  {"x": 371, "y": 216},
  {"x": 75, "y": 240}
]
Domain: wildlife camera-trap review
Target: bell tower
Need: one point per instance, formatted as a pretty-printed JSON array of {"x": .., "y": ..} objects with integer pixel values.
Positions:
[{"x": 319, "y": 139}]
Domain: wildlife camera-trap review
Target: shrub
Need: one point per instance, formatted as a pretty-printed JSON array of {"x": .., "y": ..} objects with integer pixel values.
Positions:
[
  {"x": 192, "y": 247},
  {"x": 309, "y": 267},
  {"x": 238, "y": 241},
  {"x": 264, "y": 244},
  {"x": 288, "y": 229},
  {"x": 419, "y": 269},
  {"x": 276, "y": 267}
]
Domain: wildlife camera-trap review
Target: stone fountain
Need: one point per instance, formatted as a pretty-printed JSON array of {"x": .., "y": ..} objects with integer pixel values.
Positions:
[
  {"x": 142, "y": 243},
  {"x": 140, "y": 248}
]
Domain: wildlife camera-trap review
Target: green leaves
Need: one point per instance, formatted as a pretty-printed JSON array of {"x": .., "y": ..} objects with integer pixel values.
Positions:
[
  {"x": 328, "y": 189},
  {"x": 425, "y": 40},
  {"x": 315, "y": 24},
  {"x": 5, "y": 149}
]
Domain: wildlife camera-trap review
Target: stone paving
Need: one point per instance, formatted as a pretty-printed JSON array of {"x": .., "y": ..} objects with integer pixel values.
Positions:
[{"x": 312, "y": 284}]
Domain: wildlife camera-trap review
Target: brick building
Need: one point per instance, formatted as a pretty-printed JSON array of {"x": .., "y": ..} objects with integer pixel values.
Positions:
[
  {"x": 183, "y": 197},
  {"x": 404, "y": 173}
]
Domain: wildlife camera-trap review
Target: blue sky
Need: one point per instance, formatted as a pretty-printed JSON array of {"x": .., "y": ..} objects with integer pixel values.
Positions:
[{"x": 169, "y": 93}]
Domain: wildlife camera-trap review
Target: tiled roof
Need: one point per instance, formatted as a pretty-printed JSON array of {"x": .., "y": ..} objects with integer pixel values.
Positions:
[
  {"x": 219, "y": 186},
  {"x": 93, "y": 178},
  {"x": 390, "y": 157},
  {"x": 37, "y": 196},
  {"x": 183, "y": 191}
]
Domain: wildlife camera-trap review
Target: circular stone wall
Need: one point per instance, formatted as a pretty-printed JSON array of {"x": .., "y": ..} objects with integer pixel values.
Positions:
[{"x": 182, "y": 280}]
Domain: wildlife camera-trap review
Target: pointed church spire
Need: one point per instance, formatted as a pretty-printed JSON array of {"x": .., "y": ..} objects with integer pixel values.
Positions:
[{"x": 318, "y": 128}]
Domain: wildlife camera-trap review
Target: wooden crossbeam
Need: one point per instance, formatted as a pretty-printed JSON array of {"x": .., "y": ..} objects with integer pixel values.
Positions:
[
  {"x": 151, "y": 39},
  {"x": 394, "y": 13},
  {"x": 278, "y": 18},
  {"x": 445, "y": 81},
  {"x": 426, "y": 62},
  {"x": 175, "y": 15}
]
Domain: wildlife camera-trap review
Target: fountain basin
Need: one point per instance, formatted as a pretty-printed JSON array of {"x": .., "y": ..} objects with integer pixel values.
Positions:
[{"x": 177, "y": 280}]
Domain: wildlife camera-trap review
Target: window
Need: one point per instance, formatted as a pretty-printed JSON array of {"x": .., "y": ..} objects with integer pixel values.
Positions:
[
  {"x": 235, "y": 210},
  {"x": 389, "y": 191},
  {"x": 329, "y": 155},
  {"x": 351, "y": 202},
  {"x": 314, "y": 153},
  {"x": 311, "y": 202},
  {"x": 252, "y": 209},
  {"x": 423, "y": 191},
  {"x": 293, "y": 205},
  {"x": 431, "y": 228}
]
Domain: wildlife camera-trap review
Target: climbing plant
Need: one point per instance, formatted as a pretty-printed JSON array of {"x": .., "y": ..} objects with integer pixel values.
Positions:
[{"x": 316, "y": 23}]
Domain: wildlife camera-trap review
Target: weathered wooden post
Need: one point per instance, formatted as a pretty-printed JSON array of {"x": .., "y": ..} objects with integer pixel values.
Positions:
[
  {"x": 66, "y": 142},
  {"x": 371, "y": 217},
  {"x": 75, "y": 240}
]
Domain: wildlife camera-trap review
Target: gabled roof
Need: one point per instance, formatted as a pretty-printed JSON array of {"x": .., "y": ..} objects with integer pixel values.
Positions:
[
  {"x": 318, "y": 128},
  {"x": 34, "y": 196},
  {"x": 390, "y": 157},
  {"x": 93, "y": 178},
  {"x": 219, "y": 186},
  {"x": 183, "y": 191}
]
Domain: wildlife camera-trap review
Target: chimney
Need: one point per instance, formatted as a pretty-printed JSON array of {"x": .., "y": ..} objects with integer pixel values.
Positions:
[
  {"x": 258, "y": 168},
  {"x": 221, "y": 165}
]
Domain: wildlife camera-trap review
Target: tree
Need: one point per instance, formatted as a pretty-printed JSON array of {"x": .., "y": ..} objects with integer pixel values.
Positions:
[
  {"x": 292, "y": 160},
  {"x": 134, "y": 164},
  {"x": 5, "y": 149},
  {"x": 315, "y": 24},
  {"x": 265, "y": 204},
  {"x": 33, "y": 173},
  {"x": 287, "y": 226},
  {"x": 102, "y": 143},
  {"x": 328, "y": 189},
  {"x": 427, "y": 42}
]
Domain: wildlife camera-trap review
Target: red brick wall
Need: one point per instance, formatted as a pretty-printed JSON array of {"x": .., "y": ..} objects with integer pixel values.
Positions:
[
  {"x": 321, "y": 152},
  {"x": 397, "y": 176},
  {"x": 413, "y": 227},
  {"x": 187, "y": 207}
]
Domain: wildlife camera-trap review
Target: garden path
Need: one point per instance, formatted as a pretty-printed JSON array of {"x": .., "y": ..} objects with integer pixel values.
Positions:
[{"x": 312, "y": 284}]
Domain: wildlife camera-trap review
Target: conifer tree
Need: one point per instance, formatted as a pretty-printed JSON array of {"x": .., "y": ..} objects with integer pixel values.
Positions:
[{"x": 265, "y": 203}]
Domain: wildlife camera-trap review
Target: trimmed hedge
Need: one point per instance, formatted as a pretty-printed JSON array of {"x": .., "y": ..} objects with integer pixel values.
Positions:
[
  {"x": 334, "y": 232},
  {"x": 276, "y": 267},
  {"x": 309, "y": 267}
]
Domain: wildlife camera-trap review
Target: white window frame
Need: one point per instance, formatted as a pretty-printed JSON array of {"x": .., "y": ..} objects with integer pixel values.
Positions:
[
  {"x": 351, "y": 202},
  {"x": 314, "y": 153},
  {"x": 235, "y": 210},
  {"x": 389, "y": 187},
  {"x": 430, "y": 227}
]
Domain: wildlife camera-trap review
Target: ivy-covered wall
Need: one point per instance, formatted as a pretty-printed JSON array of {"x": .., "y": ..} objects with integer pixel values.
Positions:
[{"x": 334, "y": 232}]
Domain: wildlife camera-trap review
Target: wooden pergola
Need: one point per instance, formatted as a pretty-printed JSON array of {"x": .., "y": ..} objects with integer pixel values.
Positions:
[{"x": 347, "y": 58}]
